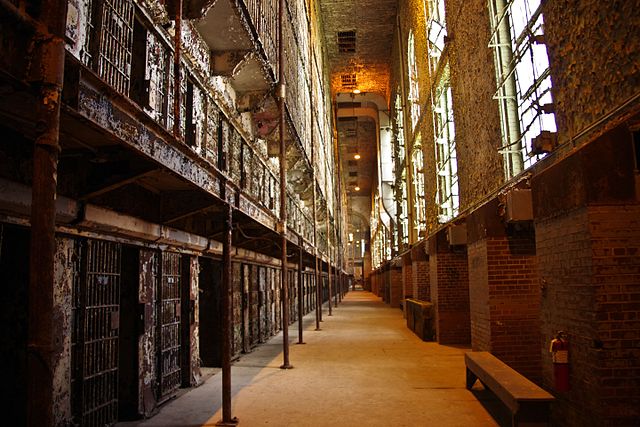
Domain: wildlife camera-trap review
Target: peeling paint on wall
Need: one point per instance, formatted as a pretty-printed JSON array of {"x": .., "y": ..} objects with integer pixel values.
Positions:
[{"x": 64, "y": 269}]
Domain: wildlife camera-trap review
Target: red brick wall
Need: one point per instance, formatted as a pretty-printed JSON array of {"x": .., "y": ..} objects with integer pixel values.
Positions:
[
  {"x": 505, "y": 300},
  {"x": 615, "y": 245},
  {"x": 590, "y": 267},
  {"x": 395, "y": 286},
  {"x": 449, "y": 282},
  {"x": 479, "y": 296},
  {"x": 420, "y": 278},
  {"x": 407, "y": 281}
]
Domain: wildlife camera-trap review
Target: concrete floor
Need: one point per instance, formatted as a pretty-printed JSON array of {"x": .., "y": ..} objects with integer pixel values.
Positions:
[{"x": 364, "y": 368}]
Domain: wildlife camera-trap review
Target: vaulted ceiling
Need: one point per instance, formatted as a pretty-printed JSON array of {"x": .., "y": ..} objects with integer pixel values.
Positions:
[{"x": 359, "y": 35}]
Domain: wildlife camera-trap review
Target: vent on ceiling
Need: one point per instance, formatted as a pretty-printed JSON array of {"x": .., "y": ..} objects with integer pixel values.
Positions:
[
  {"x": 350, "y": 133},
  {"x": 348, "y": 80},
  {"x": 353, "y": 173},
  {"x": 347, "y": 41}
]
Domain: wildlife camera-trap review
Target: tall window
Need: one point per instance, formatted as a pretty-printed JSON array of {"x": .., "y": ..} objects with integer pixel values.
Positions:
[
  {"x": 436, "y": 32},
  {"x": 445, "y": 145},
  {"x": 414, "y": 92},
  {"x": 522, "y": 74},
  {"x": 419, "y": 205},
  {"x": 401, "y": 175}
]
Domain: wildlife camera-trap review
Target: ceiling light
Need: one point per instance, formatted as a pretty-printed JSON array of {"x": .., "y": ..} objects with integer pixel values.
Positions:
[
  {"x": 356, "y": 91},
  {"x": 357, "y": 188},
  {"x": 357, "y": 157}
]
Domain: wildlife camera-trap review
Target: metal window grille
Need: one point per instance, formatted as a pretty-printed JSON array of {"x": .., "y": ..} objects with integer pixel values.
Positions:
[
  {"x": 436, "y": 33},
  {"x": 169, "y": 300},
  {"x": 414, "y": 88},
  {"x": 347, "y": 41},
  {"x": 524, "y": 82},
  {"x": 96, "y": 305},
  {"x": 445, "y": 147}
]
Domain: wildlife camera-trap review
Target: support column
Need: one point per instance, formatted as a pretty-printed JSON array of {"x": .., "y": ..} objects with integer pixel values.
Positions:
[
  {"x": 329, "y": 261},
  {"x": 283, "y": 192},
  {"x": 300, "y": 297},
  {"x": 227, "y": 321},
  {"x": 49, "y": 40}
]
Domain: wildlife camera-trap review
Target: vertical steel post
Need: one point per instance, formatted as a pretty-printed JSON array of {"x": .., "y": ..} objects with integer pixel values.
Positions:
[
  {"x": 283, "y": 190},
  {"x": 176, "y": 69},
  {"x": 227, "y": 318},
  {"x": 329, "y": 261},
  {"x": 300, "y": 297},
  {"x": 42, "y": 331}
]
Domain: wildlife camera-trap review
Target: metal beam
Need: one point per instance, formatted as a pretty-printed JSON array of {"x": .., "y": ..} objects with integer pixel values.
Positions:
[{"x": 116, "y": 185}]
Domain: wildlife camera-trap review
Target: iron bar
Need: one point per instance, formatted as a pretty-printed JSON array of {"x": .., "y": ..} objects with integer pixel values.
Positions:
[
  {"x": 49, "y": 39},
  {"x": 283, "y": 190}
]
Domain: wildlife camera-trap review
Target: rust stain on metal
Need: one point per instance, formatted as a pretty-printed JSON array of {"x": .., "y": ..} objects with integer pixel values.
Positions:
[
  {"x": 62, "y": 319},
  {"x": 147, "y": 377}
]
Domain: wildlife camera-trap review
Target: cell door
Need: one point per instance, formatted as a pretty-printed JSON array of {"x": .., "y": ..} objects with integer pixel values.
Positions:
[
  {"x": 96, "y": 297},
  {"x": 169, "y": 324}
]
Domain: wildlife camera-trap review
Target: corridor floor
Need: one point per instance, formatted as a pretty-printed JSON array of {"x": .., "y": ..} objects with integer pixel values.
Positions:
[{"x": 364, "y": 368}]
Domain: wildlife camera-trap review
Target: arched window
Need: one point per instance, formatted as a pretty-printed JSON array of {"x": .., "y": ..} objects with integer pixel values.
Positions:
[{"x": 414, "y": 92}]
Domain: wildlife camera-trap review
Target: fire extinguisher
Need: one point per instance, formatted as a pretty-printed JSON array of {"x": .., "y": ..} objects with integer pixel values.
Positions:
[{"x": 560, "y": 356}]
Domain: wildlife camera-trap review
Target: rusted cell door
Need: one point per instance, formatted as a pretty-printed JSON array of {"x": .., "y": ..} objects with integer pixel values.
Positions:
[
  {"x": 254, "y": 310},
  {"x": 246, "y": 308},
  {"x": 262, "y": 304},
  {"x": 147, "y": 347},
  {"x": 238, "y": 308},
  {"x": 96, "y": 297},
  {"x": 169, "y": 324}
]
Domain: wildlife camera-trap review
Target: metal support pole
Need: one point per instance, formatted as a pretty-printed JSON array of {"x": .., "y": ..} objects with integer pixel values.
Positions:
[
  {"x": 227, "y": 320},
  {"x": 176, "y": 70},
  {"x": 42, "y": 331},
  {"x": 283, "y": 191},
  {"x": 329, "y": 262},
  {"x": 300, "y": 297}
]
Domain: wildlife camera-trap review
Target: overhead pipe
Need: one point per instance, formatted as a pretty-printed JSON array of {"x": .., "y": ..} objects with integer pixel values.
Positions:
[
  {"x": 49, "y": 39},
  {"x": 283, "y": 190}
]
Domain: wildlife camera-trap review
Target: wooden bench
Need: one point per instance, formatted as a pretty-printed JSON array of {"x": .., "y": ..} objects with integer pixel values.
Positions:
[{"x": 528, "y": 403}]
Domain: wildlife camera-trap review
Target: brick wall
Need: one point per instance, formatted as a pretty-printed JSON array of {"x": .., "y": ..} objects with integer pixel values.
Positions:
[
  {"x": 588, "y": 242},
  {"x": 515, "y": 300},
  {"x": 420, "y": 278},
  {"x": 407, "y": 280},
  {"x": 395, "y": 286},
  {"x": 449, "y": 283},
  {"x": 615, "y": 245},
  {"x": 479, "y": 296}
]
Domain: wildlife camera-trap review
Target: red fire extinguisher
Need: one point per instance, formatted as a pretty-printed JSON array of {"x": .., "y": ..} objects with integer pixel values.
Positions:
[{"x": 560, "y": 356}]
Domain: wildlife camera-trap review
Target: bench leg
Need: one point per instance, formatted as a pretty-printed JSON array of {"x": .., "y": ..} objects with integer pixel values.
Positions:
[{"x": 471, "y": 379}]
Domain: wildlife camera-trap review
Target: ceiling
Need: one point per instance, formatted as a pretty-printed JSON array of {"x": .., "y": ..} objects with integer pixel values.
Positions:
[{"x": 358, "y": 36}]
